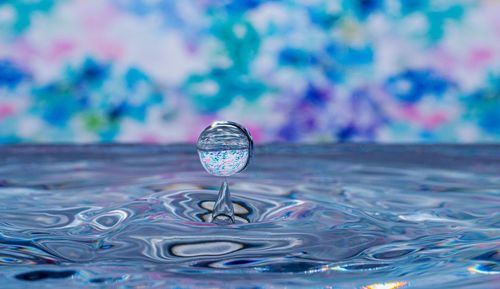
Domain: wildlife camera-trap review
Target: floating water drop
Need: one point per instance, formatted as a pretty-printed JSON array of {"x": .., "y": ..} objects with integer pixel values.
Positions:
[{"x": 224, "y": 148}]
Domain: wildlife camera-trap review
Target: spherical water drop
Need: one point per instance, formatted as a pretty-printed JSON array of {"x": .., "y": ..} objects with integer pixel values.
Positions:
[{"x": 225, "y": 148}]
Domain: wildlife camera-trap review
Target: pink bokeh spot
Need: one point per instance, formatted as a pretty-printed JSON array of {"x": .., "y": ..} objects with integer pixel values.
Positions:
[
  {"x": 256, "y": 132},
  {"x": 427, "y": 120},
  {"x": 6, "y": 111},
  {"x": 61, "y": 49},
  {"x": 479, "y": 58},
  {"x": 107, "y": 49},
  {"x": 149, "y": 139}
]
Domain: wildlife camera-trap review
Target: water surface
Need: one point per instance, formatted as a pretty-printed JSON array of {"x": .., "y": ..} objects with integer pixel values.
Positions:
[{"x": 334, "y": 216}]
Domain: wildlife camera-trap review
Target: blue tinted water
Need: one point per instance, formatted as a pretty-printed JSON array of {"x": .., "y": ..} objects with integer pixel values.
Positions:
[{"x": 344, "y": 216}]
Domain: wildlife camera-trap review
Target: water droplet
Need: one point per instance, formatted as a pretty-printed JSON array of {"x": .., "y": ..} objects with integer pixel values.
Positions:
[{"x": 225, "y": 148}]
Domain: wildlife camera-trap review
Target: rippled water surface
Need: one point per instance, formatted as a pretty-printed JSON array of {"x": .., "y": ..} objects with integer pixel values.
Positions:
[{"x": 338, "y": 216}]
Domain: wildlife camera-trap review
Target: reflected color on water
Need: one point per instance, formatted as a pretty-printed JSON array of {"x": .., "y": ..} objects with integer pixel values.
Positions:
[{"x": 333, "y": 216}]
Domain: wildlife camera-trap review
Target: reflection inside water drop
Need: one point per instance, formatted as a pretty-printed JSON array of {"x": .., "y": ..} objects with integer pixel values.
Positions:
[{"x": 224, "y": 162}]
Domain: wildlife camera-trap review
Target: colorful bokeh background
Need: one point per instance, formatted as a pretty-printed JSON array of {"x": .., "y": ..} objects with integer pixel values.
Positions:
[{"x": 296, "y": 71}]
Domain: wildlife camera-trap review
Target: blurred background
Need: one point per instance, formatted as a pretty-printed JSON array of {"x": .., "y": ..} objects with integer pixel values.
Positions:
[{"x": 159, "y": 71}]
